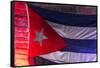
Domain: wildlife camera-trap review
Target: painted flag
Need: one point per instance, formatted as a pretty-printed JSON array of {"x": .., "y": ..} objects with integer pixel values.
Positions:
[
  {"x": 78, "y": 32},
  {"x": 46, "y": 37}
]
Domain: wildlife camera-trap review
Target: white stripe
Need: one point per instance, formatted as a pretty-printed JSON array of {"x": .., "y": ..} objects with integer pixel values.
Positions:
[
  {"x": 69, "y": 57},
  {"x": 73, "y": 32}
]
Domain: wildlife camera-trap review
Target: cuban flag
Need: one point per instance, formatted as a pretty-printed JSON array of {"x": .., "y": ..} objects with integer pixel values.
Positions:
[{"x": 44, "y": 37}]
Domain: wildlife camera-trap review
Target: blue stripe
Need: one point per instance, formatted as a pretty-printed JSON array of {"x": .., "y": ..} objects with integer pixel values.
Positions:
[
  {"x": 66, "y": 18},
  {"x": 43, "y": 61},
  {"x": 81, "y": 46}
]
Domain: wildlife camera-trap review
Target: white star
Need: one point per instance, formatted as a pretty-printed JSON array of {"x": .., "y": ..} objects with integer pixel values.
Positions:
[{"x": 40, "y": 37}]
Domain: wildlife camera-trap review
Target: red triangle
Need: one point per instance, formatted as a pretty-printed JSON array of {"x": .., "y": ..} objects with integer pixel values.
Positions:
[{"x": 53, "y": 42}]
